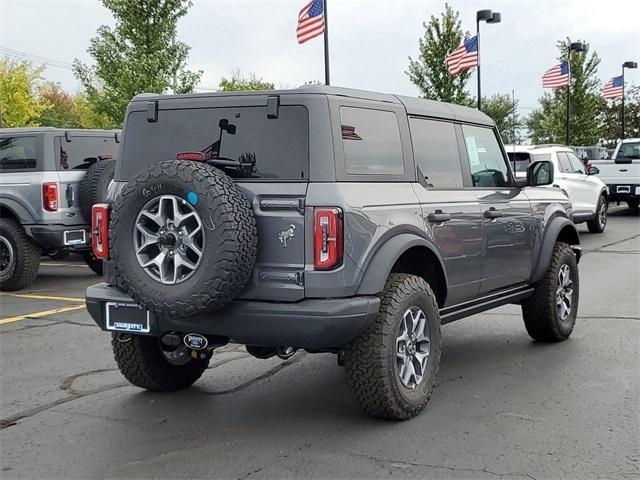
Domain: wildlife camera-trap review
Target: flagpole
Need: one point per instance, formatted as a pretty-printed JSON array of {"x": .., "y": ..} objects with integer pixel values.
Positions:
[
  {"x": 326, "y": 45},
  {"x": 622, "y": 113}
]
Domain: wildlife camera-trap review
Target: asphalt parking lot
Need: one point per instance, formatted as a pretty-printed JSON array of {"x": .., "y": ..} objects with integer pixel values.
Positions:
[{"x": 505, "y": 407}]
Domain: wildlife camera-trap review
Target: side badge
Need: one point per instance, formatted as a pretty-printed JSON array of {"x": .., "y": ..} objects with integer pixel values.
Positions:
[{"x": 286, "y": 235}]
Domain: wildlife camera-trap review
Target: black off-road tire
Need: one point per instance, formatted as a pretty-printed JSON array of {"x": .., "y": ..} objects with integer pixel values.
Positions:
[
  {"x": 95, "y": 264},
  {"x": 634, "y": 203},
  {"x": 142, "y": 363},
  {"x": 23, "y": 269},
  {"x": 94, "y": 185},
  {"x": 596, "y": 225},
  {"x": 370, "y": 360},
  {"x": 229, "y": 227},
  {"x": 539, "y": 312}
]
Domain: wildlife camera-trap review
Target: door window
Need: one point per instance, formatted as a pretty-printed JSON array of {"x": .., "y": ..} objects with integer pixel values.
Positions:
[
  {"x": 371, "y": 142},
  {"x": 563, "y": 163},
  {"x": 436, "y": 152},
  {"x": 17, "y": 153},
  {"x": 488, "y": 166},
  {"x": 576, "y": 164}
]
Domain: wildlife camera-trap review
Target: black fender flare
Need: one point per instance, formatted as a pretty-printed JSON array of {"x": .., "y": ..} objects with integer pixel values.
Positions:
[
  {"x": 16, "y": 210},
  {"x": 379, "y": 267},
  {"x": 557, "y": 226}
]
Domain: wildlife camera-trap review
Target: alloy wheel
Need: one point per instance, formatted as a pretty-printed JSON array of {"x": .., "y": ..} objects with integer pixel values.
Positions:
[
  {"x": 564, "y": 292},
  {"x": 412, "y": 347},
  {"x": 7, "y": 256}
]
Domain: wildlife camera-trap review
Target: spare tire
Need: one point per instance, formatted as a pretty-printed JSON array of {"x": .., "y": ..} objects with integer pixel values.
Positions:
[
  {"x": 183, "y": 238},
  {"x": 94, "y": 185}
]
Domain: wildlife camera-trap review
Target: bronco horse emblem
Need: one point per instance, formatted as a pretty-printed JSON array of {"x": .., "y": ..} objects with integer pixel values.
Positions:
[{"x": 286, "y": 235}]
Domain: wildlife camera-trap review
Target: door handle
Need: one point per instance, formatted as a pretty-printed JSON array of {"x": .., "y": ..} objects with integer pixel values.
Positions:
[
  {"x": 438, "y": 217},
  {"x": 492, "y": 213},
  {"x": 69, "y": 195}
]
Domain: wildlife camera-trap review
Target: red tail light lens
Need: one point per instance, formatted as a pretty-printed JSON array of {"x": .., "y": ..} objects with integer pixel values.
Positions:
[
  {"x": 328, "y": 238},
  {"x": 50, "y": 196},
  {"x": 197, "y": 156},
  {"x": 100, "y": 230}
]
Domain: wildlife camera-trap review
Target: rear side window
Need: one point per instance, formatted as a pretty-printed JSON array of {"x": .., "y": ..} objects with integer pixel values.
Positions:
[
  {"x": 371, "y": 141},
  {"x": 240, "y": 140},
  {"x": 488, "y": 167},
  {"x": 18, "y": 153},
  {"x": 576, "y": 165},
  {"x": 435, "y": 149},
  {"x": 81, "y": 152}
]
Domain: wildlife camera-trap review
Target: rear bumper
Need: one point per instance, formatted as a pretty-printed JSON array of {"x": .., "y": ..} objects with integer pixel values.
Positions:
[
  {"x": 310, "y": 324},
  {"x": 623, "y": 191},
  {"x": 53, "y": 236}
]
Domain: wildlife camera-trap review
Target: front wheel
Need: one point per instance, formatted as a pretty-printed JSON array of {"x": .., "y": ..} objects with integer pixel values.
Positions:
[
  {"x": 145, "y": 364},
  {"x": 598, "y": 223},
  {"x": 550, "y": 314},
  {"x": 634, "y": 203},
  {"x": 392, "y": 366}
]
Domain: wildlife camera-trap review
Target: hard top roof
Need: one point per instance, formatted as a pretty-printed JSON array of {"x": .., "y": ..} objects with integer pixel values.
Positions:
[{"x": 414, "y": 106}]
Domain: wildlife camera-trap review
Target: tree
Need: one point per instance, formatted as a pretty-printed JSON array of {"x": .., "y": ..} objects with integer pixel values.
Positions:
[
  {"x": 61, "y": 111},
  {"x": 20, "y": 105},
  {"x": 504, "y": 112},
  {"x": 610, "y": 117},
  {"x": 429, "y": 72},
  {"x": 239, "y": 82},
  {"x": 140, "y": 54},
  {"x": 547, "y": 124}
]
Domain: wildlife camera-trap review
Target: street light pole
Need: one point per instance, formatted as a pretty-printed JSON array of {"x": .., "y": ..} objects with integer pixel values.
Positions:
[
  {"x": 489, "y": 17},
  {"x": 625, "y": 65},
  {"x": 573, "y": 47}
]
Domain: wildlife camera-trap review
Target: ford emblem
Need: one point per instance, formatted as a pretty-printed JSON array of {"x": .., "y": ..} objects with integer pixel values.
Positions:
[{"x": 195, "y": 341}]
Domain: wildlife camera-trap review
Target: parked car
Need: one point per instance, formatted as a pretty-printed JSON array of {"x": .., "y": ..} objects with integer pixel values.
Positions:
[
  {"x": 622, "y": 172},
  {"x": 588, "y": 194},
  {"x": 49, "y": 179},
  {"x": 324, "y": 219}
]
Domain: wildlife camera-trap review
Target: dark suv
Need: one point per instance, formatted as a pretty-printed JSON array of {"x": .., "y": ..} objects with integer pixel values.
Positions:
[{"x": 323, "y": 219}]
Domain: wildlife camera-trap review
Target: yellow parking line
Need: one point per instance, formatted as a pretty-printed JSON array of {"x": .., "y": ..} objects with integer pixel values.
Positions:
[
  {"x": 43, "y": 297},
  {"x": 40, "y": 314}
]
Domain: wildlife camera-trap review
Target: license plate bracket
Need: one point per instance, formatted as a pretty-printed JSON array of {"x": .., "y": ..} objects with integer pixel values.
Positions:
[
  {"x": 623, "y": 189},
  {"x": 126, "y": 317},
  {"x": 75, "y": 237}
]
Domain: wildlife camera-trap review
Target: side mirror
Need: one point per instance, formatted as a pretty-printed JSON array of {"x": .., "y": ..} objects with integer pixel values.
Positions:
[
  {"x": 540, "y": 173},
  {"x": 593, "y": 171}
]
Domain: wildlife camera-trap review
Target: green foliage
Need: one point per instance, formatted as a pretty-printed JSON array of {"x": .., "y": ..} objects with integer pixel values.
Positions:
[
  {"x": 429, "y": 71},
  {"x": 610, "y": 117},
  {"x": 20, "y": 105},
  {"x": 140, "y": 54},
  {"x": 65, "y": 111},
  {"x": 504, "y": 112},
  {"x": 547, "y": 124},
  {"x": 239, "y": 82}
]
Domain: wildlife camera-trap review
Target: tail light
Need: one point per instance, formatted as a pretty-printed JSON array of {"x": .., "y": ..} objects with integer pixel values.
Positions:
[
  {"x": 197, "y": 156},
  {"x": 328, "y": 238},
  {"x": 50, "y": 196},
  {"x": 100, "y": 230}
]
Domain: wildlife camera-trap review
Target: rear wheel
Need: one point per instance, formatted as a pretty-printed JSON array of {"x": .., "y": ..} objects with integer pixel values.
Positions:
[
  {"x": 94, "y": 185},
  {"x": 145, "y": 364},
  {"x": 550, "y": 314},
  {"x": 19, "y": 256},
  {"x": 95, "y": 264},
  {"x": 599, "y": 222},
  {"x": 392, "y": 367}
]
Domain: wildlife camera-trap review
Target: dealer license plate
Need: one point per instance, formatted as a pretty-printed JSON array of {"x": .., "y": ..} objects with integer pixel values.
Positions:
[{"x": 127, "y": 317}]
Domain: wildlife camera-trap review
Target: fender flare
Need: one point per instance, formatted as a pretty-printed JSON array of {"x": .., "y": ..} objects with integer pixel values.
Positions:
[
  {"x": 378, "y": 268},
  {"x": 553, "y": 231},
  {"x": 16, "y": 210}
]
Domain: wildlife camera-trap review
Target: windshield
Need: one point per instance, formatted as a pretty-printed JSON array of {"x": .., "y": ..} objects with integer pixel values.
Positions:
[{"x": 629, "y": 150}]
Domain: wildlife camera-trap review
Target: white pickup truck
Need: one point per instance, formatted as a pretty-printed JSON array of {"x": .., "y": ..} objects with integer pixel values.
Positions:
[{"x": 622, "y": 172}]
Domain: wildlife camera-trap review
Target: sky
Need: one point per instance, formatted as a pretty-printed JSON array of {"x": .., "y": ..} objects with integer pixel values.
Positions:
[{"x": 370, "y": 41}]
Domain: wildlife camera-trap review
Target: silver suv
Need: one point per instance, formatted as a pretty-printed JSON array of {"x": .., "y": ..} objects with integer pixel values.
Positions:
[
  {"x": 323, "y": 219},
  {"x": 42, "y": 198}
]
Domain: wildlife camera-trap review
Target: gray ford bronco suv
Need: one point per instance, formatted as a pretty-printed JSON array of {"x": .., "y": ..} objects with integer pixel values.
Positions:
[
  {"x": 323, "y": 219},
  {"x": 49, "y": 179}
]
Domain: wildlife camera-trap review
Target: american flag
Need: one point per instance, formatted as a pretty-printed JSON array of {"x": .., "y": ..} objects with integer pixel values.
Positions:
[
  {"x": 613, "y": 88},
  {"x": 464, "y": 57},
  {"x": 311, "y": 21},
  {"x": 349, "y": 133},
  {"x": 557, "y": 76}
]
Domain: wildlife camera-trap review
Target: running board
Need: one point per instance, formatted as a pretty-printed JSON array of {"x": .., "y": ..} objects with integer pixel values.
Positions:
[{"x": 457, "y": 312}]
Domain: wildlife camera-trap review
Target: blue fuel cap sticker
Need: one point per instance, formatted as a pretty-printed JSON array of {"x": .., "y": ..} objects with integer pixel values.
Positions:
[{"x": 192, "y": 198}]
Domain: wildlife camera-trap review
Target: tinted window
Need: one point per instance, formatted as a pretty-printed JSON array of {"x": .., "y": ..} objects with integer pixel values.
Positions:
[
  {"x": 629, "y": 150},
  {"x": 576, "y": 165},
  {"x": 564, "y": 163},
  {"x": 82, "y": 152},
  {"x": 371, "y": 140},
  {"x": 435, "y": 149},
  {"x": 242, "y": 140},
  {"x": 17, "y": 153},
  {"x": 488, "y": 167},
  {"x": 519, "y": 161}
]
